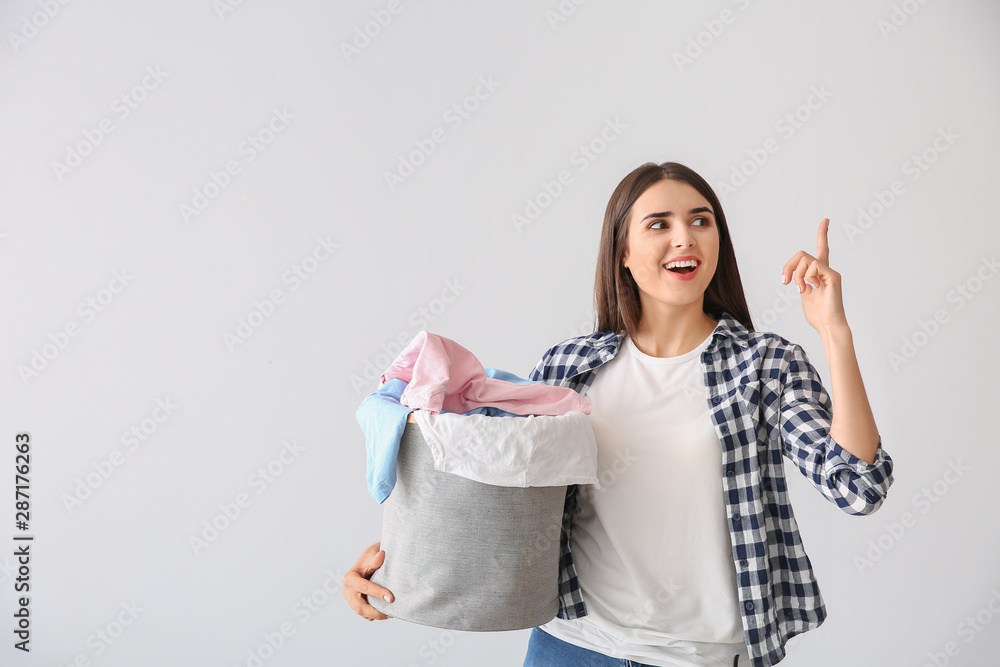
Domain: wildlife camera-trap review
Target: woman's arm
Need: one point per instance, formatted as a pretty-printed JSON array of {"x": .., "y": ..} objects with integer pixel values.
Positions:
[
  {"x": 804, "y": 421},
  {"x": 853, "y": 424}
]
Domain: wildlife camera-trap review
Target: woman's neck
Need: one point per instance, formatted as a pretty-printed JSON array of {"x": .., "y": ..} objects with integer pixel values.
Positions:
[{"x": 674, "y": 332}]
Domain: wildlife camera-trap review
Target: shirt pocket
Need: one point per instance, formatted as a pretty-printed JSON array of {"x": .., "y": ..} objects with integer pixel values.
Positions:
[{"x": 761, "y": 399}]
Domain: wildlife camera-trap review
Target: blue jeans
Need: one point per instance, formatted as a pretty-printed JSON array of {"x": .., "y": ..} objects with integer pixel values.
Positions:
[{"x": 544, "y": 650}]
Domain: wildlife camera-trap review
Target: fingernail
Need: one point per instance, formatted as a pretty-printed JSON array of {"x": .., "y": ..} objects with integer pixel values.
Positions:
[
  {"x": 801, "y": 289},
  {"x": 386, "y": 598}
]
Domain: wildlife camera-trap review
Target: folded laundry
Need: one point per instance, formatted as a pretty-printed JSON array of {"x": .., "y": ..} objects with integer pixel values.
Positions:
[
  {"x": 513, "y": 451},
  {"x": 443, "y": 376}
]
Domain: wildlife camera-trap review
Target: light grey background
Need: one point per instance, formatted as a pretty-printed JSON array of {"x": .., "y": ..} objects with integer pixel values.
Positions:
[{"x": 892, "y": 78}]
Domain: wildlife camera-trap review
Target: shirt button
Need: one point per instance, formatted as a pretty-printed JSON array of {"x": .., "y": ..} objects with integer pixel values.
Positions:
[
  {"x": 743, "y": 563},
  {"x": 736, "y": 518},
  {"x": 724, "y": 428},
  {"x": 716, "y": 400},
  {"x": 730, "y": 472},
  {"x": 748, "y": 605}
]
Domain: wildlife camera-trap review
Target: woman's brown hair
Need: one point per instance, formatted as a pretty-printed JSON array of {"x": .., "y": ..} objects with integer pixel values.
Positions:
[{"x": 616, "y": 296}]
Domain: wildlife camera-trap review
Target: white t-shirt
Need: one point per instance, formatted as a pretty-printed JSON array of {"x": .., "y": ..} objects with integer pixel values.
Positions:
[{"x": 652, "y": 547}]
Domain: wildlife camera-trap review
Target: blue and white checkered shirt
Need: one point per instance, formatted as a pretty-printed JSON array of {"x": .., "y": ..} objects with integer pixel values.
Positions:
[{"x": 766, "y": 401}]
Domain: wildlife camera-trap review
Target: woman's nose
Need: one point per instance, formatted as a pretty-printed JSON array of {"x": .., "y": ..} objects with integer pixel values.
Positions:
[{"x": 682, "y": 238}]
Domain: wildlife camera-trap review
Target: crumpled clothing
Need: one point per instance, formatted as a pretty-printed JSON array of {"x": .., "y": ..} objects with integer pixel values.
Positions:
[
  {"x": 382, "y": 418},
  {"x": 443, "y": 376},
  {"x": 513, "y": 451}
]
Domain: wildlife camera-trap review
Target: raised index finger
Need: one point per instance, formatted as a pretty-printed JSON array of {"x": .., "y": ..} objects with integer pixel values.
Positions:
[{"x": 822, "y": 244}]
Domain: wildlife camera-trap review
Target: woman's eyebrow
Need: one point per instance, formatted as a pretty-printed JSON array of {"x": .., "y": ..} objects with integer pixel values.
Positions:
[{"x": 667, "y": 214}]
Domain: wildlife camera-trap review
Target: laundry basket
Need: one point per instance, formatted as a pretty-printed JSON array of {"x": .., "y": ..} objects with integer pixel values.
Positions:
[{"x": 464, "y": 555}]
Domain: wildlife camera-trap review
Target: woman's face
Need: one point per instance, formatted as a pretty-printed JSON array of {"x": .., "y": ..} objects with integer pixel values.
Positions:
[{"x": 670, "y": 223}]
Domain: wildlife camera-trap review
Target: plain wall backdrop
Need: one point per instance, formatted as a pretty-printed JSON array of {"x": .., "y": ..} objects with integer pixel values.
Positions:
[{"x": 220, "y": 219}]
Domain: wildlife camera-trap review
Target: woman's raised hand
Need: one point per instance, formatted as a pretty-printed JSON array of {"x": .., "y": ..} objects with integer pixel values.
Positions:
[
  {"x": 819, "y": 285},
  {"x": 357, "y": 586}
]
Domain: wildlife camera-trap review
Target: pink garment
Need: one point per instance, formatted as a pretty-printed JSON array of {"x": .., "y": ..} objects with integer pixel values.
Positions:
[{"x": 443, "y": 376}]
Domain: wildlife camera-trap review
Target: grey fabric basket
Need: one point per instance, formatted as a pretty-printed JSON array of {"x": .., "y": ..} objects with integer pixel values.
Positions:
[{"x": 464, "y": 555}]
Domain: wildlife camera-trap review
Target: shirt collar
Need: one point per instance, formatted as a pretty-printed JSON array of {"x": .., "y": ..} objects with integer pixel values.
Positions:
[{"x": 728, "y": 327}]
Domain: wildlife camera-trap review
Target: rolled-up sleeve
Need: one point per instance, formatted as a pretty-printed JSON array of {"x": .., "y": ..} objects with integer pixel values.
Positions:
[{"x": 854, "y": 485}]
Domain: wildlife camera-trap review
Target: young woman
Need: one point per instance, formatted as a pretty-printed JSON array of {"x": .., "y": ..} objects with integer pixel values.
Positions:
[{"x": 689, "y": 554}]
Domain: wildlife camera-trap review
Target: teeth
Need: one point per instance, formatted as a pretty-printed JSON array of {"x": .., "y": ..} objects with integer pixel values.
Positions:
[{"x": 687, "y": 262}]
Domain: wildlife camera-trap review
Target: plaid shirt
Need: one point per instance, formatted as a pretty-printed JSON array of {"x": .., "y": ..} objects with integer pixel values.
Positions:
[{"x": 766, "y": 401}]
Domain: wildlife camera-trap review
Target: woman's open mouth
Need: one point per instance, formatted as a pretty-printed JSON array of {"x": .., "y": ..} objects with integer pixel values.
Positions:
[{"x": 683, "y": 269}]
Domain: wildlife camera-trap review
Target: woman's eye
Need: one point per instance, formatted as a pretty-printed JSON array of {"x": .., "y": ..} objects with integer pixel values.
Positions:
[
  {"x": 704, "y": 222},
  {"x": 653, "y": 225}
]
